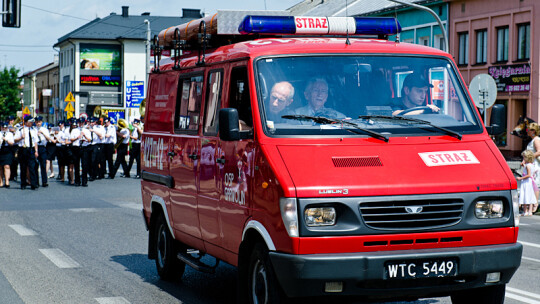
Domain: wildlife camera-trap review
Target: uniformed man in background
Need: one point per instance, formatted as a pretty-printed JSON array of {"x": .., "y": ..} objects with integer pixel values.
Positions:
[
  {"x": 28, "y": 153},
  {"x": 43, "y": 139}
]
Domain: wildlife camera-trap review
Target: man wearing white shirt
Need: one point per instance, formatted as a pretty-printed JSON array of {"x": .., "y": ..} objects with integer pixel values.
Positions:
[
  {"x": 110, "y": 140},
  {"x": 86, "y": 139},
  {"x": 121, "y": 153},
  {"x": 61, "y": 150},
  {"x": 75, "y": 137},
  {"x": 98, "y": 158},
  {"x": 135, "y": 152},
  {"x": 28, "y": 153},
  {"x": 43, "y": 139}
]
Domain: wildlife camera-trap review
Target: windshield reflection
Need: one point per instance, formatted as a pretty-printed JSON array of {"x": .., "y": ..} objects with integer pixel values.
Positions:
[{"x": 345, "y": 87}]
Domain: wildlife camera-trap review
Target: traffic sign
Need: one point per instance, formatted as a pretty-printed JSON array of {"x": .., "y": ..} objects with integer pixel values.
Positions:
[
  {"x": 69, "y": 107},
  {"x": 69, "y": 115},
  {"x": 26, "y": 111},
  {"x": 69, "y": 97},
  {"x": 483, "y": 91}
]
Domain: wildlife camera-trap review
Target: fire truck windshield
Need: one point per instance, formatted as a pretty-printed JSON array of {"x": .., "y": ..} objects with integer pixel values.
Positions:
[{"x": 355, "y": 91}]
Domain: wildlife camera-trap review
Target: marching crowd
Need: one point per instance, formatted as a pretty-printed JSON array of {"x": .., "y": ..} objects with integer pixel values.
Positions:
[{"x": 83, "y": 148}]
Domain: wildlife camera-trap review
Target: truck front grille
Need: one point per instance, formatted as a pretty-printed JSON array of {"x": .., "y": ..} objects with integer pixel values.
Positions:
[{"x": 412, "y": 215}]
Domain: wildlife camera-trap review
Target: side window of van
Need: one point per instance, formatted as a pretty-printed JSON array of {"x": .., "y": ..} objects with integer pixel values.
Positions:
[
  {"x": 239, "y": 97},
  {"x": 188, "y": 103},
  {"x": 213, "y": 101}
]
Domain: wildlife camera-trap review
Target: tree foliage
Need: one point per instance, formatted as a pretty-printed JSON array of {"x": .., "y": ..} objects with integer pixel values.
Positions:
[{"x": 10, "y": 90}]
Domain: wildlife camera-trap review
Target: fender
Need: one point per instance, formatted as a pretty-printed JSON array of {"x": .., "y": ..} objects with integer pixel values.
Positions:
[
  {"x": 161, "y": 201},
  {"x": 252, "y": 224}
]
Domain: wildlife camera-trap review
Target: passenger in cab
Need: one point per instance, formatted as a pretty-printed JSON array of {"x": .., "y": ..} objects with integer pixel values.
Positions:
[
  {"x": 413, "y": 95},
  {"x": 316, "y": 94},
  {"x": 281, "y": 97}
]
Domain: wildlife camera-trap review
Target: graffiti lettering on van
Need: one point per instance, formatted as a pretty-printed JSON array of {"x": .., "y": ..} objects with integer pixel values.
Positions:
[
  {"x": 232, "y": 190},
  {"x": 153, "y": 153}
]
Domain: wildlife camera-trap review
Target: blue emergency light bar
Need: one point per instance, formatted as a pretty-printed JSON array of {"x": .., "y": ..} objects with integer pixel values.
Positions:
[{"x": 303, "y": 25}]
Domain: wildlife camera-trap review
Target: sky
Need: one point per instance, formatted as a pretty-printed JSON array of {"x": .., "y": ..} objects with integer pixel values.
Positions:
[{"x": 42, "y": 22}]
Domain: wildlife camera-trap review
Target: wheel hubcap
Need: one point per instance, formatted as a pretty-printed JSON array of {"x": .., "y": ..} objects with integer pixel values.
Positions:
[
  {"x": 161, "y": 246},
  {"x": 259, "y": 284}
]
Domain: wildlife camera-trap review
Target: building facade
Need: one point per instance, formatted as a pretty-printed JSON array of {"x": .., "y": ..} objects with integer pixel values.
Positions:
[
  {"x": 41, "y": 92},
  {"x": 496, "y": 37},
  {"x": 104, "y": 63}
]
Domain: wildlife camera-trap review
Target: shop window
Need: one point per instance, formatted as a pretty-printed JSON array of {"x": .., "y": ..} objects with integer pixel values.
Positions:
[{"x": 501, "y": 140}]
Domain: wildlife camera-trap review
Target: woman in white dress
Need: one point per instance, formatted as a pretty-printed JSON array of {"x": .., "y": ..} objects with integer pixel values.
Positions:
[{"x": 534, "y": 145}]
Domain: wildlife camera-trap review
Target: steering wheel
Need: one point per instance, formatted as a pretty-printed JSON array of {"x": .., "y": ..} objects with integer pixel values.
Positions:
[{"x": 425, "y": 110}]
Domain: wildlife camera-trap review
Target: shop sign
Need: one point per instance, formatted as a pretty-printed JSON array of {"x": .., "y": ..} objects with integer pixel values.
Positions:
[{"x": 512, "y": 78}]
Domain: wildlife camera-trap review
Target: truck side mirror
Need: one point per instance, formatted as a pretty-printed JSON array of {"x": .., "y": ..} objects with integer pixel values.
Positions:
[
  {"x": 497, "y": 120},
  {"x": 229, "y": 129}
]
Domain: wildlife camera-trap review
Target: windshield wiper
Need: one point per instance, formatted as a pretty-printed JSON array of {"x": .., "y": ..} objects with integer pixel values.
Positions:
[
  {"x": 414, "y": 120},
  {"x": 329, "y": 121}
]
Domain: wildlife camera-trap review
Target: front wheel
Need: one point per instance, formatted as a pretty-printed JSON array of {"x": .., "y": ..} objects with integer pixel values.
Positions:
[
  {"x": 485, "y": 295},
  {"x": 262, "y": 284},
  {"x": 168, "y": 265}
]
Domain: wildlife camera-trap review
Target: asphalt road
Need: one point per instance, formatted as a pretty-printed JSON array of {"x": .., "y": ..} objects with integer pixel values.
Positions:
[{"x": 65, "y": 244}]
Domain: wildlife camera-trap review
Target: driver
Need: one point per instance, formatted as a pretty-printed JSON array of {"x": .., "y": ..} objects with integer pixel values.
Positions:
[
  {"x": 413, "y": 95},
  {"x": 316, "y": 94}
]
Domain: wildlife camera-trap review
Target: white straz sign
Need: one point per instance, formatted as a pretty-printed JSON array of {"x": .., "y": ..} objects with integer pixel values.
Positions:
[{"x": 448, "y": 158}]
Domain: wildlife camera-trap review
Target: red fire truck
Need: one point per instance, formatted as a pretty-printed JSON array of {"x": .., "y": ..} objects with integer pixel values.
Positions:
[{"x": 316, "y": 156}]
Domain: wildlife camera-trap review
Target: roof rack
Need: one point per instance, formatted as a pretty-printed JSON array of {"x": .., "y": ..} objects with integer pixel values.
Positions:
[{"x": 227, "y": 27}]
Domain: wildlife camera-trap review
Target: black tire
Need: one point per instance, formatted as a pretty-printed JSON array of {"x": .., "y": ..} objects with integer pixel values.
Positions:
[
  {"x": 262, "y": 286},
  {"x": 485, "y": 295},
  {"x": 169, "y": 267}
]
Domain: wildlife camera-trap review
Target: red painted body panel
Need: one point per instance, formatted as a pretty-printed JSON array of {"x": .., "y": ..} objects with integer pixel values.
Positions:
[
  {"x": 482, "y": 237},
  {"x": 402, "y": 171}
]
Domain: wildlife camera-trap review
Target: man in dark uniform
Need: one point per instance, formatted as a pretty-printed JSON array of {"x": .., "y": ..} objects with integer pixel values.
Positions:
[
  {"x": 28, "y": 153},
  {"x": 109, "y": 142},
  {"x": 135, "y": 151},
  {"x": 43, "y": 139}
]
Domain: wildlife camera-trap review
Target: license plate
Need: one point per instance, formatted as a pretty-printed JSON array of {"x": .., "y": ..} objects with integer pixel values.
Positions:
[{"x": 421, "y": 269}]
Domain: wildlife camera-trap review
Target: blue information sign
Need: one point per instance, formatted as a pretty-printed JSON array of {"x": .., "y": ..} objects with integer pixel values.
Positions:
[{"x": 134, "y": 93}]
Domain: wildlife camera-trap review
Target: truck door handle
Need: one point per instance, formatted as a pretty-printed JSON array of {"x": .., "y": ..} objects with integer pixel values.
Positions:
[
  {"x": 193, "y": 156},
  {"x": 220, "y": 160},
  {"x": 171, "y": 154}
]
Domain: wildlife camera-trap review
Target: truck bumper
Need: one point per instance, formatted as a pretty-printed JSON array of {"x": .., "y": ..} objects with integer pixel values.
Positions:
[{"x": 364, "y": 274}]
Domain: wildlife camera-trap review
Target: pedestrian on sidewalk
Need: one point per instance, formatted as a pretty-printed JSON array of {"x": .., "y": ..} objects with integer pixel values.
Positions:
[
  {"x": 527, "y": 195},
  {"x": 533, "y": 130}
]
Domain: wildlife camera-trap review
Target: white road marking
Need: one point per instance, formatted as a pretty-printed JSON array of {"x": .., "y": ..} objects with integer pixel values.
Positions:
[
  {"x": 112, "y": 300},
  {"x": 59, "y": 258},
  {"x": 530, "y": 244},
  {"x": 135, "y": 206},
  {"x": 523, "y": 224},
  {"x": 23, "y": 231},
  {"x": 513, "y": 292},
  {"x": 530, "y": 259},
  {"x": 520, "y": 298},
  {"x": 83, "y": 209}
]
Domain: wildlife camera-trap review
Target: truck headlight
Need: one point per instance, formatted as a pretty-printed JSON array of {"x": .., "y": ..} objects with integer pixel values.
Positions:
[
  {"x": 289, "y": 215},
  {"x": 489, "y": 209},
  {"x": 320, "y": 216}
]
